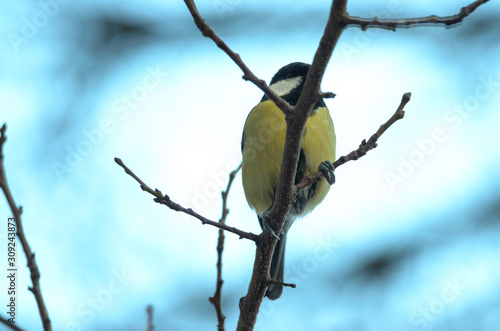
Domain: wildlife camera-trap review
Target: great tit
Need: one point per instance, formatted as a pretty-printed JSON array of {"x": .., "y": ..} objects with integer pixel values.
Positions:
[{"x": 262, "y": 147}]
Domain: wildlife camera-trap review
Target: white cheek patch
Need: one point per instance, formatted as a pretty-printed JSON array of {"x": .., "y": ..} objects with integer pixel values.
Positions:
[{"x": 285, "y": 86}]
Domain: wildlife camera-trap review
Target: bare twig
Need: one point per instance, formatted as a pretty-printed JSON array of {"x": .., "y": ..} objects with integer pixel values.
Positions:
[
  {"x": 327, "y": 95},
  {"x": 207, "y": 31},
  {"x": 165, "y": 200},
  {"x": 30, "y": 256},
  {"x": 9, "y": 324},
  {"x": 149, "y": 311},
  {"x": 216, "y": 299},
  {"x": 392, "y": 24},
  {"x": 364, "y": 148},
  {"x": 277, "y": 282}
]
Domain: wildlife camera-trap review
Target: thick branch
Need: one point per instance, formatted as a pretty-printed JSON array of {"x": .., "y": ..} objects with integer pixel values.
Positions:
[
  {"x": 296, "y": 122},
  {"x": 165, "y": 200},
  {"x": 30, "y": 256},
  {"x": 216, "y": 299},
  {"x": 208, "y": 32},
  {"x": 250, "y": 303},
  {"x": 392, "y": 24},
  {"x": 364, "y": 148}
]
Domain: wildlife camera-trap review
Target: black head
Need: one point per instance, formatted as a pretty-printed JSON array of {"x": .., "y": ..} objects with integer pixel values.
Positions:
[
  {"x": 289, "y": 81},
  {"x": 295, "y": 69}
]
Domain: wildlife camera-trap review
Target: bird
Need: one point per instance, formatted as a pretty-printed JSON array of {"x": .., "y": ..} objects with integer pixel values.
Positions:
[{"x": 262, "y": 146}]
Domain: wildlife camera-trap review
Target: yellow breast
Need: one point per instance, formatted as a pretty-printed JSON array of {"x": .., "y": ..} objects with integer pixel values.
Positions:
[{"x": 262, "y": 148}]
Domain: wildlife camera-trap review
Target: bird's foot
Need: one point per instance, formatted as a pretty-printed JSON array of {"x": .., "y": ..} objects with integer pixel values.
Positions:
[
  {"x": 328, "y": 171},
  {"x": 266, "y": 226}
]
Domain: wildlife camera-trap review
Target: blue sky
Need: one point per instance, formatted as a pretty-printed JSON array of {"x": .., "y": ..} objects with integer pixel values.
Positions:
[{"x": 407, "y": 238}]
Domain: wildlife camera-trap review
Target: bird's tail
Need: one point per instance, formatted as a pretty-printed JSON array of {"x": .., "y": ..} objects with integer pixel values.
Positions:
[
  {"x": 278, "y": 261},
  {"x": 277, "y": 268}
]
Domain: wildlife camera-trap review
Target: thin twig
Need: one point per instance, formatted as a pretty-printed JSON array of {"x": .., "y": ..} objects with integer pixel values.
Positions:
[
  {"x": 216, "y": 299},
  {"x": 392, "y": 24},
  {"x": 30, "y": 256},
  {"x": 165, "y": 200},
  {"x": 149, "y": 311},
  {"x": 9, "y": 324},
  {"x": 207, "y": 31},
  {"x": 277, "y": 282},
  {"x": 327, "y": 95},
  {"x": 364, "y": 148}
]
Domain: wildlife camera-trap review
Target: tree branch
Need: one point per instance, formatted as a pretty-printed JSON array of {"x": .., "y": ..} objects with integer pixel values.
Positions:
[
  {"x": 216, "y": 299},
  {"x": 165, "y": 200},
  {"x": 149, "y": 311},
  {"x": 9, "y": 324},
  {"x": 250, "y": 303},
  {"x": 208, "y": 32},
  {"x": 277, "y": 282},
  {"x": 392, "y": 24},
  {"x": 364, "y": 148},
  {"x": 30, "y": 256}
]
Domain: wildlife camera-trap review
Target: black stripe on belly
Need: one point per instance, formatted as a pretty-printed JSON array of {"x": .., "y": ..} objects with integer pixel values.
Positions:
[{"x": 306, "y": 194}]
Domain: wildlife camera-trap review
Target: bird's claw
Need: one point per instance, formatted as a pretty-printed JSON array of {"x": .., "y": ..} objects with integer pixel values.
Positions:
[
  {"x": 328, "y": 171},
  {"x": 267, "y": 227}
]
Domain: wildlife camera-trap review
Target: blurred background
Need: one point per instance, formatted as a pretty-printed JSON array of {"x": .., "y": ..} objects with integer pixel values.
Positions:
[{"x": 407, "y": 239}]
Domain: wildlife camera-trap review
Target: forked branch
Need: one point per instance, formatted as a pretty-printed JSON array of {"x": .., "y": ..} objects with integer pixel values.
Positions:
[
  {"x": 363, "y": 148},
  {"x": 207, "y": 31},
  {"x": 165, "y": 200}
]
